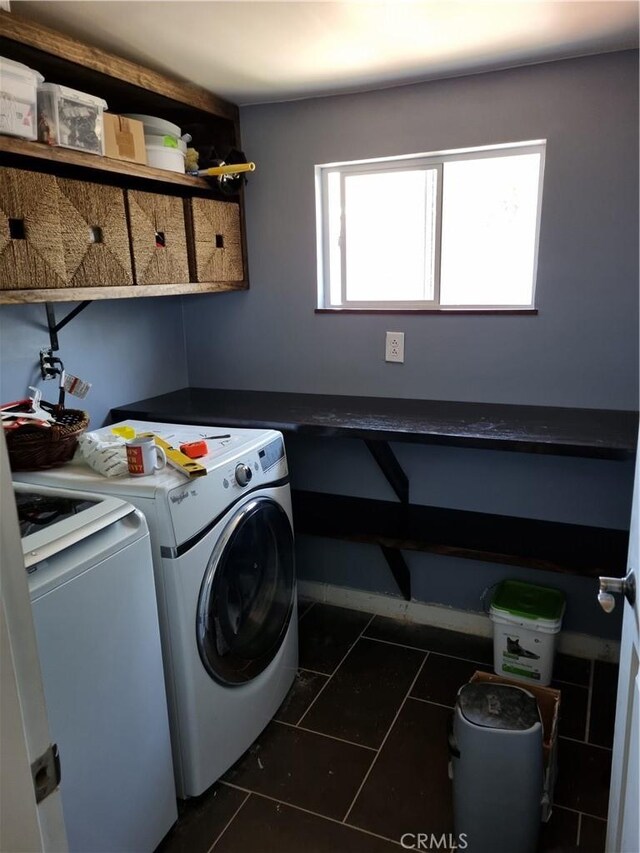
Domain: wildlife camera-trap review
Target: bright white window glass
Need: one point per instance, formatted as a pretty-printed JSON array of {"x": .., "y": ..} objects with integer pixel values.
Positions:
[
  {"x": 389, "y": 236},
  {"x": 489, "y": 215}
]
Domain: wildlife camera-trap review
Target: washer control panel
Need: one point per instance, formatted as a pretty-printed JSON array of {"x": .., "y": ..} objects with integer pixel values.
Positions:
[
  {"x": 266, "y": 464},
  {"x": 271, "y": 454}
]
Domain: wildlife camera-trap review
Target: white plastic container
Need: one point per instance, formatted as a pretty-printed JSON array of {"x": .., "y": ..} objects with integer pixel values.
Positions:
[
  {"x": 154, "y": 126},
  {"x": 70, "y": 118},
  {"x": 18, "y": 99},
  {"x": 165, "y": 148},
  {"x": 163, "y": 157},
  {"x": 526, "y": 622}
]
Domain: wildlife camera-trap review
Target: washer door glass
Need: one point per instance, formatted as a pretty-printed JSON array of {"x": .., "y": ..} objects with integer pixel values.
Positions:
[{"x": 246, "y": 597}]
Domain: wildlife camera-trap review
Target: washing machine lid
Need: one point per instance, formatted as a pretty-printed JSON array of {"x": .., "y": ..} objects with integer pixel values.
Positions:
[
  {"x": 52, "y": 520},
  {"x": 498, "y": 706},
  {"x": 247, "y": 593}
]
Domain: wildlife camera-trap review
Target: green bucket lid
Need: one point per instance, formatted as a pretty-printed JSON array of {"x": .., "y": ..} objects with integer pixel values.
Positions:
[{"x": 528, "y": 601}]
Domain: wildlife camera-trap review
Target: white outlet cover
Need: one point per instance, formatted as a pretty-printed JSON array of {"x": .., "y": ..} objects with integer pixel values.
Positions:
[{"x": 394, "y": 347}]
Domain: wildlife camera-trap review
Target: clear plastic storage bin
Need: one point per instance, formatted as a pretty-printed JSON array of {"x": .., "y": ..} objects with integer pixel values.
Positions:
[
  {"x": 70, "y": 118},
  {"x": 18, "y": 87}
]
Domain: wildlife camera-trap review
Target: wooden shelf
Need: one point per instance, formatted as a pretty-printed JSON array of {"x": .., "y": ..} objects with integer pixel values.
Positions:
[
  {"x": 80, "y": 294},
  {"x": 530, "y": 543},
  {"x": 68, "y": 157},
  {"x": 127, "y": 87}
]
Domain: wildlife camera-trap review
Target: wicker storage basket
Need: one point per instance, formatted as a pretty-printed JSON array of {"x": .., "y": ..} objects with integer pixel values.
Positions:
[
  {"x": 217, "y": 240},
  {"x": 33, "y": 448},
  {"x": 56, "y": 232},
  {"x": 158, "y": 238},
  {"x": 31, "y": 253},
  {"x": 94, "y": 233}
]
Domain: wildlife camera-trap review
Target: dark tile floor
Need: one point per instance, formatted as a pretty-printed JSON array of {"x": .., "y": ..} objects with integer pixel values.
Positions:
[{"x": 357, "y": 754}]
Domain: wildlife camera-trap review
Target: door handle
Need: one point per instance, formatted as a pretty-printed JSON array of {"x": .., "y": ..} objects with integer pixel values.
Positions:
[{"x": 608, "y": 586}]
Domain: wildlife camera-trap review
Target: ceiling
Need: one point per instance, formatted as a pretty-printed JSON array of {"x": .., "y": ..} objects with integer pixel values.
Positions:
[{"x": 256, "y": 51}]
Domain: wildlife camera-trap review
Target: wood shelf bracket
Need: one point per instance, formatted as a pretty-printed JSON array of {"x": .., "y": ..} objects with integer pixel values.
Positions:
[
  {"x": 390, "y": 467},
  {"x": 50, "y": 366}
]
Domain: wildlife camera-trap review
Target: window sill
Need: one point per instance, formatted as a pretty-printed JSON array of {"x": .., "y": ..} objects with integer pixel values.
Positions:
[{"x": 447, "y": 311}]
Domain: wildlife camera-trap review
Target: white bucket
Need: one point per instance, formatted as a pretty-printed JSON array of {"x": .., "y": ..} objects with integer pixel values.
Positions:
[
  {"x": 524, "y": 643},
  {"x": 171, "y": 159},
  {"x": 155, "y": 125},
  {"x": 165, "y": 141}
]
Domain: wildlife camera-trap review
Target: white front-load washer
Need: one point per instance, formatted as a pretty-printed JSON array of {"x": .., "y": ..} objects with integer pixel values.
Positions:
[{"x": 225, "y": 583}]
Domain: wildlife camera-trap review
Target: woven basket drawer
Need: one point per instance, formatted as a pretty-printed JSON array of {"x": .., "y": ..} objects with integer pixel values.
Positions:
[
  {"x": 31, "y": 252},
  {"x": 217, "y": 240},
  {"x": 95, "y": 237},
  {"x": 61, "y": 233},
  {"x": 158, "y": 238}
]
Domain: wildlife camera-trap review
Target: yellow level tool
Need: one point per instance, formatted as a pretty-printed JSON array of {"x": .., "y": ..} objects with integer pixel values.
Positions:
[
  {"x": 227, "y": 169},
  {"x": 177, "y": 459}
]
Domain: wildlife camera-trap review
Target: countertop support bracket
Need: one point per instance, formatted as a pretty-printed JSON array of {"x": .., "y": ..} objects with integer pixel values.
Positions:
[
  {"x": 399, "y": 570},
  {"x": 390, "y": 467}
]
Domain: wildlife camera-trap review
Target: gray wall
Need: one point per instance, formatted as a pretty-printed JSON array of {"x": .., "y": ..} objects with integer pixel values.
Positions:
[
  {"x": 580, "y": 350},
  {"x": 127, "y": 349}
]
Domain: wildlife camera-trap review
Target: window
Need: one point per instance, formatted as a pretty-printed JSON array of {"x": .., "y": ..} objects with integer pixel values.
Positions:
[{"x": 450, "y": 231}]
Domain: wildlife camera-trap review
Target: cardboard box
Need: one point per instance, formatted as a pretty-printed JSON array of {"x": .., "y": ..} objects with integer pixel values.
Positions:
[
  {"x": 548, "y": 701},
  {"x": 124, "y": 139}
]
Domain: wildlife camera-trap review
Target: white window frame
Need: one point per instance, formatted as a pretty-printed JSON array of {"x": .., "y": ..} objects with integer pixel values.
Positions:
[{"x": 432, "y": 160}]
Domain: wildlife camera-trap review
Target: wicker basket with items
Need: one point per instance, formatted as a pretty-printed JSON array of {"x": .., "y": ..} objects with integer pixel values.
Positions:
[{"x": 39, "y": 434}]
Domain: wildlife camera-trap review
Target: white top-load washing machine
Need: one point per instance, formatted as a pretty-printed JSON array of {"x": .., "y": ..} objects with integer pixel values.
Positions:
[
  {"x": 92, "y": 592},
  {"x": 225, "y": 581}
]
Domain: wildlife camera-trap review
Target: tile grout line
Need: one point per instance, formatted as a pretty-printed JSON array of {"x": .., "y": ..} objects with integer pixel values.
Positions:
[
  {"x": 314, "y": 671},
  {"x": 587, "y": 724},
  {"x": 570, "y": 683},
  {"x": 342, "y": 660},
  {"x": 229, "y": 822},
  {"x": 459, "y": 657},
  {"x": 584, "y": 743},
  {"x": 310, "y": 607},
  {"x": 431, "y": 702},
  {"x": 384, "y": 740},
  {"x": 309, "y": 811},
  {"x": 323, "y": 734},
  {"x": 427, "y": 651},
  {"x": 579, "y": 833},
  {"x": 575, "y": 811}
]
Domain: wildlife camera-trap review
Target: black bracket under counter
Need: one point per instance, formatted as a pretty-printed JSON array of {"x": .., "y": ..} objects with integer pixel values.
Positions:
[
  {"x": 399, "y": 482},
  {"x": 390, "y": 467}
]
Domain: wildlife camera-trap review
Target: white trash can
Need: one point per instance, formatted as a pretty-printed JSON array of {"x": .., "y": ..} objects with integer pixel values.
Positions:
[{"x": 526, "y": 622}]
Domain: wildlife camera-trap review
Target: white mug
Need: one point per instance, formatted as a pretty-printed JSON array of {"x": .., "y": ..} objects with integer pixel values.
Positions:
[{"x": 144, "y": 456}]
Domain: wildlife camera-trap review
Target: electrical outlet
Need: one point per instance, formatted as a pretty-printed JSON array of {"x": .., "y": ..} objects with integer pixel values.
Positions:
[{"x": 394, "y": 347}]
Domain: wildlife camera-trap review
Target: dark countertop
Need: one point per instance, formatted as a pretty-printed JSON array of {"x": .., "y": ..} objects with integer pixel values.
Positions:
[{"x": 597, "y": 433}]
